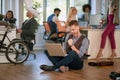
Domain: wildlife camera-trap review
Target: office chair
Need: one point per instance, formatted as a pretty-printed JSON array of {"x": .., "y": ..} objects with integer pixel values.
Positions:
[
  {"x": 31, "y": 45},
  {"x": 55, "y": 36}
]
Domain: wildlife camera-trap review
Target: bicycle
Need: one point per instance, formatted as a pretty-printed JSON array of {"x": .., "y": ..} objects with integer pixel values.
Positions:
[{"x": 17, "y": 50}]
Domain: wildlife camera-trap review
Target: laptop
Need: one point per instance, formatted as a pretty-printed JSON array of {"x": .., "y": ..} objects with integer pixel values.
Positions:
[
  {"x": 83, "y": 23},
  {"x": 55, "y": 49}
]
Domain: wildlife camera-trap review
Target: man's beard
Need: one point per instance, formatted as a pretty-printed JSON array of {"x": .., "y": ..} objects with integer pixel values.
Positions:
[{"x": 57, "y": 15}]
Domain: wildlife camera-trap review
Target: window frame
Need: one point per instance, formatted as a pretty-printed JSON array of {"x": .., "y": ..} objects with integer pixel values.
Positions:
[{"x": 0, "y": 6}]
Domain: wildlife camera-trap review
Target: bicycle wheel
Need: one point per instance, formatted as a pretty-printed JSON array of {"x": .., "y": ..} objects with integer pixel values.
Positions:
[{"x": 17, "y": 52}]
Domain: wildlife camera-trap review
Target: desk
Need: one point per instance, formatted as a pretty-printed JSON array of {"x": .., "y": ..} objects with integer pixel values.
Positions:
[{"x": 94, "y": 35}]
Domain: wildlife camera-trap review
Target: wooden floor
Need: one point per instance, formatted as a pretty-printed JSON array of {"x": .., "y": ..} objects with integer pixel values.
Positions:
[{"x": 30, "y": 71}]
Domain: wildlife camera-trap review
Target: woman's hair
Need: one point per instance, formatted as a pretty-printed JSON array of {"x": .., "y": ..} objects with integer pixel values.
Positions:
[
  {"x": 11, "y": 13},
  {"x": 86, "y": 6},
  {"x": 71, "y": 11},
  {"x": 12, "y": 19}
]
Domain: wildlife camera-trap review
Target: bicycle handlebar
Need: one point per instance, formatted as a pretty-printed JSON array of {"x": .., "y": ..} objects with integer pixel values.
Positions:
[
  {"x": 3, "y": 23},
  {"x": 7, "y": 25}
]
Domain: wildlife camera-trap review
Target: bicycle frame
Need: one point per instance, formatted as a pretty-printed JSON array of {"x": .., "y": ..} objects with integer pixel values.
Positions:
[
  {"x": 11, "y": 50},
  {"x": 2, "y": 44}
]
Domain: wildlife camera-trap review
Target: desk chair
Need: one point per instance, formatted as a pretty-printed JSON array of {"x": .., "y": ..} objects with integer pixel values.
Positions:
[
  {"x": 58, "y": 36},
  {"x": 31, "y": 45}
]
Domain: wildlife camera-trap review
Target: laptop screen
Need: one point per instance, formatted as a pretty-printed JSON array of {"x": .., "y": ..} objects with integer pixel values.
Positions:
[
  {"x": 55, "y": 49},
  {"x": 83, "y": 23}
]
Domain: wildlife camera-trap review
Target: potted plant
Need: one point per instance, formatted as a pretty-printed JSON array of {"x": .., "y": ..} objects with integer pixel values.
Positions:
[{"x": 1, "y": 17}]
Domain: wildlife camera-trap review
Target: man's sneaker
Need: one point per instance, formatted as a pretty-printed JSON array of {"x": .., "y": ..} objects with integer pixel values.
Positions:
[
  {"x": 47, "y": 68},
  {"x": 85, "y": 56}
]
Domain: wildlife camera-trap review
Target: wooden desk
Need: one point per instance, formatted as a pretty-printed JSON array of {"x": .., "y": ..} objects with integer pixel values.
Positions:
[{"x": 94, "y": 36}]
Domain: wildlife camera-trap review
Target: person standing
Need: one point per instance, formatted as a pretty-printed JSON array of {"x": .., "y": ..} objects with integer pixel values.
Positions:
[{"x": 109, "y": 31}]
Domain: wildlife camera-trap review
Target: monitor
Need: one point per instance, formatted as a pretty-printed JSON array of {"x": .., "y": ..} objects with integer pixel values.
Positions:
[
  {"x": 83, "y": 23},
  {"x": 95, "y": 19}
]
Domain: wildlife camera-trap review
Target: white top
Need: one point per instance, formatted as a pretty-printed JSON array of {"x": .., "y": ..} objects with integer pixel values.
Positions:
[
  {"x": 74, "y": 17},
  {"x": 55, "y": 18}
]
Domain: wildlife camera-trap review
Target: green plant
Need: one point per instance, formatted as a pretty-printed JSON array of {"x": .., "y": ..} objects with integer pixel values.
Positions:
[
  {"x": 1, "y": 17},
  {"x": 36, "y": 5}
]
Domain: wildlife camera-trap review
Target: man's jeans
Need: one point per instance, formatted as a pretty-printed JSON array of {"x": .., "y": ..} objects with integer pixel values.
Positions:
[{"x": 72, "y": 60}]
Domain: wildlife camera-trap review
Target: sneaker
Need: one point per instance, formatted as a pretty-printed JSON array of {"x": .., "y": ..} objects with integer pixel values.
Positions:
[
  {"x": 64, "y": 69},
  {"x": 47, "y": 68},
  {"x": 85, "y": 56}
]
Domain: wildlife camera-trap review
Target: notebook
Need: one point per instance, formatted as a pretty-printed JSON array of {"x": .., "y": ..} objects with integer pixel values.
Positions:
[{"x": 55, "y": 49}]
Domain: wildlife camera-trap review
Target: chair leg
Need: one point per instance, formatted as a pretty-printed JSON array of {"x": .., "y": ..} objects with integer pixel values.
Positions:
[{"x": 33, "y": 55}]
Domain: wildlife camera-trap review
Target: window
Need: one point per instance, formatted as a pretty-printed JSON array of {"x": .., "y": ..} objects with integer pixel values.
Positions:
[
  {"x": 0, "y": 6},
  {"x": 38, "y": 5},
  {"x": 47, "y": 7},
  {"x": 51, "y": 4},
  {"x": 78, "y": 4}
]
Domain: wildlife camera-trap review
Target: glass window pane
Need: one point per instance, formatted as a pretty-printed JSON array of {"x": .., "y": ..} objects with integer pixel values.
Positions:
[
  {"x": 38, "y": 4},
  {"x": 0, "y": 7},
  {"x": 78, "y": 4},
  {"x": 51, "y": 4}
]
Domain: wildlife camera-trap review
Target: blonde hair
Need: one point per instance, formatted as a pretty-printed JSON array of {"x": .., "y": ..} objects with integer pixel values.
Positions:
[{"x": 70, "y": 13}]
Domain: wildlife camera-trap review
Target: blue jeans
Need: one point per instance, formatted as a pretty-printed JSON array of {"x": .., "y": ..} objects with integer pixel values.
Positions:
[{"x": 72, "y": 60}]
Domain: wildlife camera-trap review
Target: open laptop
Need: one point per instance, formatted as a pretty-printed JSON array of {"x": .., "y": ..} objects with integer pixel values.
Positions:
[
  {"x": 55, "y": 49},
  {"x": 83, "y": 23}
]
